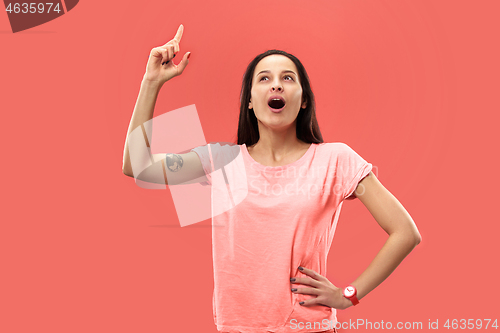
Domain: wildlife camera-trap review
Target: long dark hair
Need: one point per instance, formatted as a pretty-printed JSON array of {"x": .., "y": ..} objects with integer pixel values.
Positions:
[{"x": 307, "y": 128}]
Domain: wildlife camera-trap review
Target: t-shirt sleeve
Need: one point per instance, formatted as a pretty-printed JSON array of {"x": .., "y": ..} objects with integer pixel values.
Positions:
[
  {"x": 214, "y": 156},
  {"x": 351, "y": 169},
  {"x": 204, "y": 153}
]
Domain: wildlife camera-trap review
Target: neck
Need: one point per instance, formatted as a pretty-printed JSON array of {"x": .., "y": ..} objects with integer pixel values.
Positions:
[{"x": 278, "y": 144}]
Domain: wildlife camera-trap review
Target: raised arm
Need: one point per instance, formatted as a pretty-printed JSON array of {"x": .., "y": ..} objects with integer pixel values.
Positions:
[{"x": 137, "y": 154}]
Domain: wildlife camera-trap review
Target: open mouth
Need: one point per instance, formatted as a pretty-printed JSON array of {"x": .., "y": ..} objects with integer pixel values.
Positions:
[{"x": 276, "y": 103}]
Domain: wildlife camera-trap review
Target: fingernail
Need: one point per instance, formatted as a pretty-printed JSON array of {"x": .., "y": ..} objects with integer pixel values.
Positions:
[
  {"x": 301, "y": 302},
  {"x": 301, "y": 268},
  {"x": 292, "y": 279},
  {"x": 189, "y": 55},
  {"x": 294, "y": 289},
  {"x": 173, "y": 56}
]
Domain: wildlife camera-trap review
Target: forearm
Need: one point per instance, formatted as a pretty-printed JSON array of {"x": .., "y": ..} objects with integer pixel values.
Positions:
[
  {"x": 143, "y": 112},
  {"x": 395, "y": 249}
]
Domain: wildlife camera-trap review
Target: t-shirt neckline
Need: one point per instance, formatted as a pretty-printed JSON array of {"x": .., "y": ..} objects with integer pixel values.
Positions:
[{"x": 280, "y": 167}]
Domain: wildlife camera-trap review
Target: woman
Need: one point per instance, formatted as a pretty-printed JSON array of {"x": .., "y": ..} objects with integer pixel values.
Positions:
[{"x": 270, "y": 247}]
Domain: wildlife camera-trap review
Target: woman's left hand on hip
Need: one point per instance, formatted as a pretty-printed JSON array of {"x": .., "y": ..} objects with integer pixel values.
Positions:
[{"x": 327, "y": 293}]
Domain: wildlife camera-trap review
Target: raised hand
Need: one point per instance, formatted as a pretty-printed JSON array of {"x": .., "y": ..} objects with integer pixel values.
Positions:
[{"x": 160, "y": 67}]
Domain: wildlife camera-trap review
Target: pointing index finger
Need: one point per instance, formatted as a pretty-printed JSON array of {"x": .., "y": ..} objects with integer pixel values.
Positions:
[{"x": 178, "y": 35}]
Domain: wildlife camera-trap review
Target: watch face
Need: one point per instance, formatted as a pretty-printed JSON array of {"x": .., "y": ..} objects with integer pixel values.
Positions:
[{"x": 349, "y": 291}]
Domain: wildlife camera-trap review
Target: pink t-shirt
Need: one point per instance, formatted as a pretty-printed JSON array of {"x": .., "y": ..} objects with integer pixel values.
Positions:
[{"x": 268, "y": 221}]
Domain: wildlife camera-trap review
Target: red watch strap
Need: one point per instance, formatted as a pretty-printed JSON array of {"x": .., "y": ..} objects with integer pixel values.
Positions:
[{"x": 354, "y": 300}]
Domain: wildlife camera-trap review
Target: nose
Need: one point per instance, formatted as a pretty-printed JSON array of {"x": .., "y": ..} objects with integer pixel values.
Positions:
[{"x": 279, "y": 88}]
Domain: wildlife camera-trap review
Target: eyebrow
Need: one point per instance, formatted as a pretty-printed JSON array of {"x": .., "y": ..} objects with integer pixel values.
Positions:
[{"x": 285, "y": 71}]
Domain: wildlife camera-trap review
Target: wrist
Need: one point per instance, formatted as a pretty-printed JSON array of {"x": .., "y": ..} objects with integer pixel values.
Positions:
[
  {"x": 350, "y": 293},
  {"x": 345, "y": 301},
  {"x": 151, "y": 84}
]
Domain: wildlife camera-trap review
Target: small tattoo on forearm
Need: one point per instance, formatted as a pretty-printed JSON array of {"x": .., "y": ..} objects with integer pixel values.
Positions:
[{"x": 174, "y": 162}]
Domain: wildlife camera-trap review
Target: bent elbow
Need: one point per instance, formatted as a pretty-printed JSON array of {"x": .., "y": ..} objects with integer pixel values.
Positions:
[
  {"x": 126, "y": 173},
  {"x": 418, "y": 238}
]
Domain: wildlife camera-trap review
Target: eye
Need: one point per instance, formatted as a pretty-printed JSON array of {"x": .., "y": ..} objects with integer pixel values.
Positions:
[{"x": 283, "y": 76}]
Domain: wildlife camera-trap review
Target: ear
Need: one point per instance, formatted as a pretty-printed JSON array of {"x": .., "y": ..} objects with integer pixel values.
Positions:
[
  {"x": 250, "y": 104},
  {"x": 304, "y": 105}
]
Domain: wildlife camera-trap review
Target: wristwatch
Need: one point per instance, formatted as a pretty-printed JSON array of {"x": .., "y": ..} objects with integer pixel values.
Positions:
[{"x": 350, "y": 293}]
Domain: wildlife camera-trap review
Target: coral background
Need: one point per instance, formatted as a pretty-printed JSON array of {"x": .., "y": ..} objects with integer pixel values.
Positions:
[{"x": 412, "y": 86}]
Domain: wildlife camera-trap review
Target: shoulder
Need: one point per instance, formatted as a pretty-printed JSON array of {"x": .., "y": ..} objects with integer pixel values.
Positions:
[
  {"x": 341, "y": 155},
  {"x": 218, "y": 152},
  {"x": 224, "y": 152},
  {"x": 336, "y": 148},
  {"x": 220, "y": 147}
]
